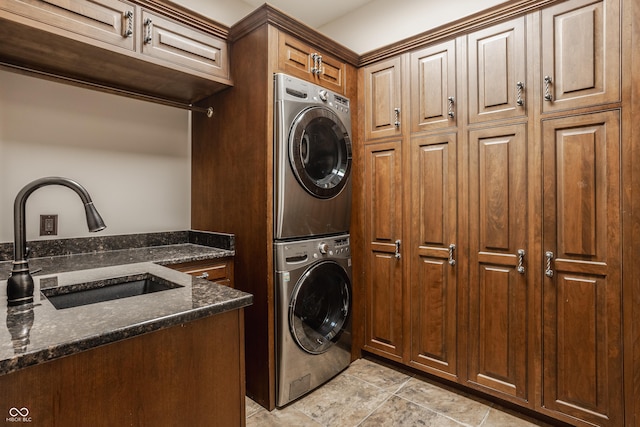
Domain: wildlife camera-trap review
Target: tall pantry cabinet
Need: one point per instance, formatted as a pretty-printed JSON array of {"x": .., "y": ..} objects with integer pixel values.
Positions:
[{"x": 493, "y": 211}]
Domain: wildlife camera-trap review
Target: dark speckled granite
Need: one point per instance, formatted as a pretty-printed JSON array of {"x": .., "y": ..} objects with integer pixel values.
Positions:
[
  {"x": 97, "y": 243},
  {"x": 37, "y": 332}
]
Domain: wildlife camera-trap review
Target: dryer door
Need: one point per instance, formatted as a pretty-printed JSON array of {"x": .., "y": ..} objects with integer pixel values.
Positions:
[
  {"x": 320, "y": 152},
  {"x": 320, "y": 306}
]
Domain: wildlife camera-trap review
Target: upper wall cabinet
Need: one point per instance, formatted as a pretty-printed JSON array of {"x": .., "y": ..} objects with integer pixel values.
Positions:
[
  {"x": 301, "y": 60},
  {"x": 580, "y": 54},
  {"x": 497, "y": 72},
  {"x": 433, "y": 87},
  {"x": 383, "y": 99},
  {"x": 110, "y": 21},
  {"x": 139, "y": 48}
]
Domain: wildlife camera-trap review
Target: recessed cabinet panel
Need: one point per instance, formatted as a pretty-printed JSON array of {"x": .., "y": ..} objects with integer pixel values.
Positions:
[
  {"x": 580, "y": 54},
  {"x": 433, "y": 87},
  {"x": 383, "y": 274},
  {"x": 582, "y": 347},
  {"x": 433, "y": 286},
  {"x": 167, "y": 40},
  {"x": 382, "y": 99},
  {"x": 497, "y": 72},
  {"x": 498, "y": 260},
  {"x": 110, "y": 21}
]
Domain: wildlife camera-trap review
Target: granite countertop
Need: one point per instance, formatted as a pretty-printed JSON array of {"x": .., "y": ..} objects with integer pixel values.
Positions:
[{"x": 38, "y": 332}]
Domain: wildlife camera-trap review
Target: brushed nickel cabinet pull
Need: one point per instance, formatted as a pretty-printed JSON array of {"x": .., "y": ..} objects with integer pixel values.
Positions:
[
  {"x": 127, "y": 28},
  {"x": 519, "y": 88},
  {"x": 204, "y": 275},
  {"x": 547, "y": 88},
  {"x": 451, "y": 102},
  {"x": 397, "y": 121},
  {"x": 148, "y": 24},
  {"x": 520, "y": 267},
  {"x": 549, "y": 271},
  {"x": 452, "y": 260},
  {"x": 397, "y": 254}
]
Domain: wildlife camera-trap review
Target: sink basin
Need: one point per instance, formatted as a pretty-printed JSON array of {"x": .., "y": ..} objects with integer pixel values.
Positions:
[{"x": 106, "y": 290}]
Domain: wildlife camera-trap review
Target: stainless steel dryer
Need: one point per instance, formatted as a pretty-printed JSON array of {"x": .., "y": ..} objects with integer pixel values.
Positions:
[
  {"x": 312, "y": 132},
  {"x": 313, "y": 313}
]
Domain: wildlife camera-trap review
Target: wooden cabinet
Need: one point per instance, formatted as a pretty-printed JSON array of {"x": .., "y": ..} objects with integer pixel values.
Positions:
[
  {"x": 215, "y": 270},
  {"x": 498, "y": 260},
  {"x": 383, "y": 265},
  {"x": 580, "y": 54},
  {"x": 433, "y": 281},
  {"x": 582, "y": 295},
  {"x": 383, "y": 99},
  {"x": 110, "y": 21},
  {"x": 177, "y": 44},
  {"x": 497, "y": 72},
  {"x": 151, "y": 50},
  {"x": 301, "y": 60},
  {"x": 433, "y": 87}
]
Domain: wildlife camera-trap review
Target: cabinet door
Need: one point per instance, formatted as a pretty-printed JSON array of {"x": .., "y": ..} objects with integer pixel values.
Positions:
[
  {"x": 383, "y": 228},
  {"x": 169, "y": 41},
  {"x": 433, "y": 87},
  {"x": 300, "y": 60},
  {"x": 382, "y": 99},
  {"x": 110, "y": 21},
  {"x": 580, "y": 54},
  {"x": 497, "y": 72},
  {"x": 582, "y": 348},
  {"x": 497, "y": 273},
  {"x": 433, "y": 289}
]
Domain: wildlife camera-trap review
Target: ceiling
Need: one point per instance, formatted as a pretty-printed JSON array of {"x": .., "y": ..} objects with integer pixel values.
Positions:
[{"x": 315, "y": 14}]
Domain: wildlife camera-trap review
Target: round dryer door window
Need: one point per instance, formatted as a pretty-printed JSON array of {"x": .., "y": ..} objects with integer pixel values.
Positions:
[
  {"x": 320, "y": 152},
  {"x": 320, "y": 306}
]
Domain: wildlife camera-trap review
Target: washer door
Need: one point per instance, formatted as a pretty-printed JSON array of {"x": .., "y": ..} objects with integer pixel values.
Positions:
[
  {"x": 320, "y": 306},
  {"x": 320, "y": 152}
]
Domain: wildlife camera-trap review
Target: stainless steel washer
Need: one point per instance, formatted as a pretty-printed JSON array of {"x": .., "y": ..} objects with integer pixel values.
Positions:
[
  {"x": 313, "y": 313},
  {"x": 312, "y": 133}
]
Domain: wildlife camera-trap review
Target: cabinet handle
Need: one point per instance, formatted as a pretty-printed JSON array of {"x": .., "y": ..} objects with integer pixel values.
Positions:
[
  {"x": 148, "y": 24},
  {"x": 549, "y": 271},
  {"x": 397, "y": 113},
  {"x": 519, "y": 88},
  {"x": 520, "y": 267},
  {"x": 127, "y": 30},
  {"x": 317, "y": 64},
  {"x": 452, "y": 260},
  {"x": 451, "y": 102},
  {"x": 204, "y": 275},
  {"x": 319, "y": 70},
  {"x": 397, "y": 254},
  {"x": 547, "y": 89}
]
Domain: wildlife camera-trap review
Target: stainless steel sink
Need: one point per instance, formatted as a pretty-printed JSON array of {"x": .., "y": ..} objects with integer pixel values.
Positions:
[{"x": 106, "y": 290}]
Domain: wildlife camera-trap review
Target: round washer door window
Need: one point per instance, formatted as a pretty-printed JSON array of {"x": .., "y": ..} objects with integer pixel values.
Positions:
[
  {"x": 319, "y": 307},
  {"x": 320, "y": 152}
]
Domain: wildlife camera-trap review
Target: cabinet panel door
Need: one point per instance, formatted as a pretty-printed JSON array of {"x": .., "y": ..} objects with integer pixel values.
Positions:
[
  {"x": 580, "y": 54},
  {"x": 383, "y": 227},
  {"x": 497, "y": 72},
  {"x": 433, "y": 87},
  {"x": 497, "y": 273},
  {"x": 103, "y": 20},
  {"x": 434, "y": 291},
  {"x": 382, "y": 99},
  {"x": 169, "y": 41},
  {"x": 582, "y": 348}
]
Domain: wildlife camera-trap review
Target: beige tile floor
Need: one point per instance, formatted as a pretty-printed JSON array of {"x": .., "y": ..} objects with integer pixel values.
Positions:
[{"x": 371, "y": 394}]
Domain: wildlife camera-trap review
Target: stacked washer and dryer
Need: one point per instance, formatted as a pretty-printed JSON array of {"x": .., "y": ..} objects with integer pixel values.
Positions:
[{"x": 312, "y": 255}]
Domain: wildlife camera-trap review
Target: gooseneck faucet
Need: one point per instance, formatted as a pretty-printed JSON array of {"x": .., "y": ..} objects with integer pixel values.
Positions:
[{"x": 20, "y": 284}]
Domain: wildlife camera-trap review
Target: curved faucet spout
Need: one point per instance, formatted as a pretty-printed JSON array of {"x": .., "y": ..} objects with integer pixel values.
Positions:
[{"x": 20, "y": 284}]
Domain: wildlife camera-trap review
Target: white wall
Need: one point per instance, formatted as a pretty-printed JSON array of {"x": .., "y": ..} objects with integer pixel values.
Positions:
[
  {"x": 132, "y": 156},
  {"x": 383, "y": 22}
]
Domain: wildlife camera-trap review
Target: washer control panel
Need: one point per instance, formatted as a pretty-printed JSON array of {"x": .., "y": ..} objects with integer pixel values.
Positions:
[{"x": 303, "y": 252}]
